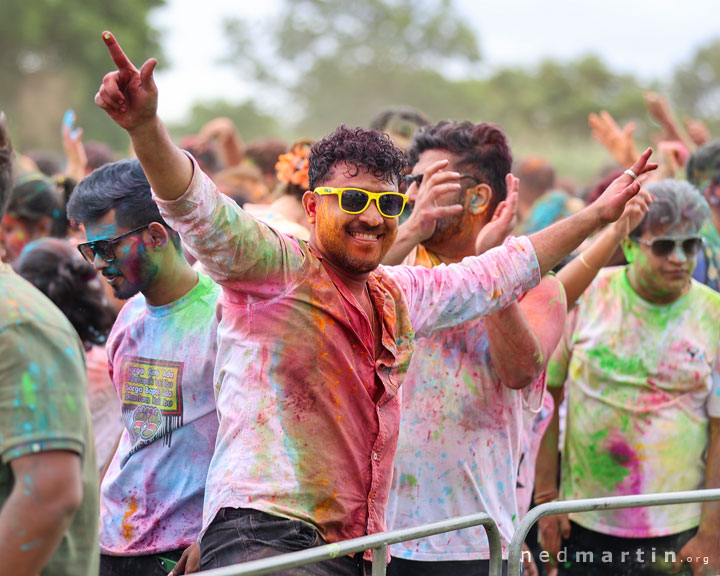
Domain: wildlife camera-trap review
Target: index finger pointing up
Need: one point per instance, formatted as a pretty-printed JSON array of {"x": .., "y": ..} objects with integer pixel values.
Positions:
[{"x": 116, "y": 53}]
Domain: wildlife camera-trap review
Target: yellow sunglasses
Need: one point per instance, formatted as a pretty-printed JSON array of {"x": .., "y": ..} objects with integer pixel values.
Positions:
[{"x": 356, "y": 200}]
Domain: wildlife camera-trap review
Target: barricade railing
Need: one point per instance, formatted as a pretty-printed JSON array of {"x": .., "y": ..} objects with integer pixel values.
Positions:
[
  {"x": 378, "y": 543},
  {"x": 594, "y": 504}
]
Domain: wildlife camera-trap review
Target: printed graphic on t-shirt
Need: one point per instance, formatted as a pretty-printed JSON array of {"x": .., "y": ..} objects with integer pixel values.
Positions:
[{"x": 152, "y": 399}]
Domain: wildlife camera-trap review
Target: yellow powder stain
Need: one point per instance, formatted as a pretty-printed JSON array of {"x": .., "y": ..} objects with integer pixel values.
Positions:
[{"x": 127, "y": 528}]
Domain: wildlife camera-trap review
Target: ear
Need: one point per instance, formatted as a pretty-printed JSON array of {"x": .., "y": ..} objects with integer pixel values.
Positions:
[
  {"x": 629, "y": 247},
  {"x": 159, "y": 236},
  {"x": 42, "y": 227},
  {"x": 309, "y": 201},
  {"x": 479, "y": 198}
]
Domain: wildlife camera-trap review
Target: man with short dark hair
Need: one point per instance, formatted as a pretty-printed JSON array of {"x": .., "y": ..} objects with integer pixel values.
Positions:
[
  {"x": 161, "y": 356},
  {"x": 316, "y": 337},
  {"x": 468, "y": 386},
  {"x": 48, "y": 480}
]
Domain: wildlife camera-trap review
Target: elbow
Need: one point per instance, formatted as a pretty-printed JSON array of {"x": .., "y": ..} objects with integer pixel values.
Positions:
[
  {"x": 520, "y": 381},
  {"x": 521, "y": 376}
]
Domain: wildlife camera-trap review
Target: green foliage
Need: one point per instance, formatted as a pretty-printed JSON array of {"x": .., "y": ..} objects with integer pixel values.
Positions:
[
  {"x": 696, "y": 86},
  {"x": 344, "y": 61},
  {"x": 54, "y": 47},
  {"x": 252, "y": 122}
]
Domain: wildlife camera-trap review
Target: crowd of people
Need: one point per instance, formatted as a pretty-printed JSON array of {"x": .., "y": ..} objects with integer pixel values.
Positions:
[{"x": 216, "y": 352}]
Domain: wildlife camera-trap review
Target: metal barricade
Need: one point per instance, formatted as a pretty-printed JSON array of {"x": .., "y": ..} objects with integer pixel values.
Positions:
[
  {"x": 378, "y": 543},
  {"x": 592, "y": 504}
]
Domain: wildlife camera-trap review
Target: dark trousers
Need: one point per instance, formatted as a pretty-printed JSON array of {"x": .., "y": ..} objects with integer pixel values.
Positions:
[
  {"x": 153, "y": 565},
  {"x": 402, "y": 567},
  {"x": 240, "y": 535},
  {"x": 590, "y": 553}
]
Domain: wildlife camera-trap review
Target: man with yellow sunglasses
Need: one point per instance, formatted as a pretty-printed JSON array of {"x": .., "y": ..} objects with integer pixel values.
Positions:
[{"x": 315, "y": 337}]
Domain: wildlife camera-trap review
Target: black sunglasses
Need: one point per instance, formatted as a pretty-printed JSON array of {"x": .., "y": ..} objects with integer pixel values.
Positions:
[
  {"x": 662, "y": 247},
  {"x": 104, "y": 248},
  {"x": 408, "y": 179}
]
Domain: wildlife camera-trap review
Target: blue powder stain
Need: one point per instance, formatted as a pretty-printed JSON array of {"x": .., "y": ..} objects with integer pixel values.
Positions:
[{"x": 70, "y": 352}]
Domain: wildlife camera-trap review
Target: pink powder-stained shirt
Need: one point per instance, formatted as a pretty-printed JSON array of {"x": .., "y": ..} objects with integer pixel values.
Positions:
[
  {"x": 308, "y": 418},
  {"x": 642, "y": 382}
]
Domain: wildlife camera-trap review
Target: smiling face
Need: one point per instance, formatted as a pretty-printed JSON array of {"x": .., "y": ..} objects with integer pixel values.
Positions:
[
  {"x": 355, "y": 244},
  {"x": 661, "y": 279},
  {"x": 133, "y": 268}
]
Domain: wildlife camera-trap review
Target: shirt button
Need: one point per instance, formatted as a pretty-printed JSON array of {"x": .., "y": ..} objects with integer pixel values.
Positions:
[{"x": 375, "y": 455}]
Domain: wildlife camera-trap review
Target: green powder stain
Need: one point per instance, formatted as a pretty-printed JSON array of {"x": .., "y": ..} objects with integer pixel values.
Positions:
[
  {"x": 28, "y": 390},
  {"x": 470, "y": 384},
  {"x": 70, "y": 401},
  {"x": 612, "y": 363},
  {"x": 605, "y": 468},
  {"x": 408, "y": 479}
]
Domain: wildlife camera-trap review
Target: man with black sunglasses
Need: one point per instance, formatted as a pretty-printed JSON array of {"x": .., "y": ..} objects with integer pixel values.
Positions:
[
  {"x": 161, "y": 356},
  {"x": 315, "y": 336},
  {"x": 639, "y": 361}
]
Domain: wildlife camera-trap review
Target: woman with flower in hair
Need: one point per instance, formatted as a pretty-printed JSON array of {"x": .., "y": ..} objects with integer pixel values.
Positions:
[{"x": 286, "y": 214}]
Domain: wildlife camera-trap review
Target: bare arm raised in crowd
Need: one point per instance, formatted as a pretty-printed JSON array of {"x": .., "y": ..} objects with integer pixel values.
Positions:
[{"x": 129, "y": 96}]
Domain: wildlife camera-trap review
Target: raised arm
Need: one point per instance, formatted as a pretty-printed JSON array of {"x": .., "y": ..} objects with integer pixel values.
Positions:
[
  {"x": 579, "y": 273},
  {"x": 555, "y": 242},
  {"x": 130, "y": 97}
]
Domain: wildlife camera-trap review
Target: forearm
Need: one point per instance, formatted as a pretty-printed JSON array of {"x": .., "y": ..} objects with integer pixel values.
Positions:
[
  {"x": 168, "y": 169},
  {"x": 579, "y": 273},
  {"x": 446, "y": 296},
  {"x": 29, "y": 534},
  {"x": 406, "y": 240},
  {"x": 710, "y": 522},
  {"x": 233, "y": 151},
  {"x": 515, "y": 350},
  {"x": 546, "y": 468},
  {"x": 555, "y": 242}
]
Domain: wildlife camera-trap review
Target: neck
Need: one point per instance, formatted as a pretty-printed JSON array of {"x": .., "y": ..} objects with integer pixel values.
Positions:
[
  {"x": 356, "y": 283},
  {"x": 172, "y": 283},
  {"x": 292, "y": 209},
  {"x": 649, "y": 296}
]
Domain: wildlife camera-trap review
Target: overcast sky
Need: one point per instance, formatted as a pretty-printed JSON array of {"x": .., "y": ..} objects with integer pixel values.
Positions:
[{"x": 642, "y": 37}]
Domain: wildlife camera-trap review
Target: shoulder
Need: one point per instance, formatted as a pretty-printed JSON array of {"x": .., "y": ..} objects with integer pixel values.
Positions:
[{"x": 23, "y": 304}]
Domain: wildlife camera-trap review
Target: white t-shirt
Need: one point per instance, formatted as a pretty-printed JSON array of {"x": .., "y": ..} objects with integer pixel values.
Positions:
[{"x": 642, "y": 382}]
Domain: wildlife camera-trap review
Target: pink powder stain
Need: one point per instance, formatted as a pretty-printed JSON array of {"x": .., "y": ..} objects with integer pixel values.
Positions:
[{"x": 627, "y": 457}]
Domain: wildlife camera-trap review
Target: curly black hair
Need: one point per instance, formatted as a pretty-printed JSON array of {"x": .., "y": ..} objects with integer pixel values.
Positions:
[
  {"x": 55, "y": 268},
  {"x": 365, "y": 150},
  {"x": 482, "y": 150}
]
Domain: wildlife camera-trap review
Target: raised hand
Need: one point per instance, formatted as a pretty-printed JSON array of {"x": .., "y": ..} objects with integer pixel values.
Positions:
[
  {"x": 503, "y": 221},
  {"x": 436, "y": 184},
  {"x": 611, "y": 204},
  {"x": 635, "y": 211},
  {"x": 128, "y": 95},
  {"x": 617, "y": 141},
  {"x": 75, "y": 155},
  {"x": 697, "y": 130}
]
